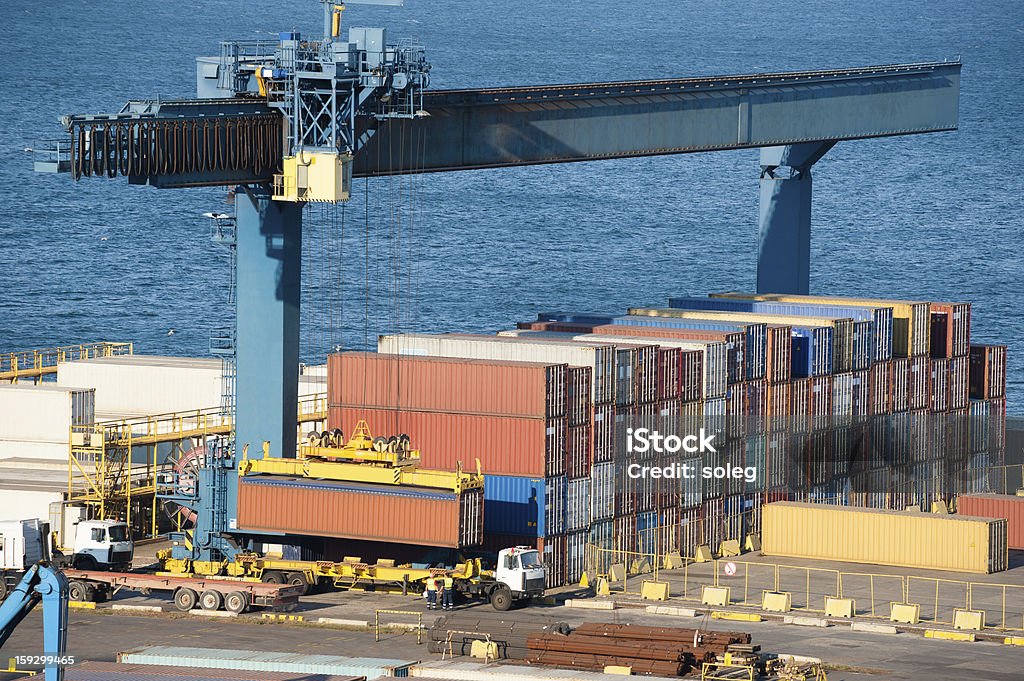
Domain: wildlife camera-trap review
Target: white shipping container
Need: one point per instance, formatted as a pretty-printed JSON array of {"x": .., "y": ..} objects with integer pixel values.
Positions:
[
  {"x": 147, "y": 385},
  {"x": 600, "y": 358},
  {"x": 36, "y": 420},
  {"x": 22, "y": 543},
  {"x": 715, "y": 362},
  {"x": 28, "y": 502}
]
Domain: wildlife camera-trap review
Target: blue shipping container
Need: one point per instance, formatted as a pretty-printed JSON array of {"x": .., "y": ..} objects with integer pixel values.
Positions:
[{"x": 514, "y": 505}]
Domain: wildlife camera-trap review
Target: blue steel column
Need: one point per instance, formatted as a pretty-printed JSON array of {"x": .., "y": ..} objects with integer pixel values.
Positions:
[
  {"x": 784, "y": 236},
  {"x": 269, "y": 256}
]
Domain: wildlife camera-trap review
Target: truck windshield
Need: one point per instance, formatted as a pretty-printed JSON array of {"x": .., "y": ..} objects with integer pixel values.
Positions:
[
  {"x": 118, "y": 533},
  {"x": 530, "y": 559}
]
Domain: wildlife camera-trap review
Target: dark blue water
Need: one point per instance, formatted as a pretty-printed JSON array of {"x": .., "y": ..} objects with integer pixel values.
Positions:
[{"x": 931, "y": 216}]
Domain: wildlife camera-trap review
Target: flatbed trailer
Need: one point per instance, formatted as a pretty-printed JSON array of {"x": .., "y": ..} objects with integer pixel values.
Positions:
[{"x": 187, "y": 592}]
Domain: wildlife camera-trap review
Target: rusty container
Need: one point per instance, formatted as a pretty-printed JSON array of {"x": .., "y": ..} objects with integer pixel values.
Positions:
[
  {"x": 997, "y": 506},
  {"x": 390, "y": 513}
]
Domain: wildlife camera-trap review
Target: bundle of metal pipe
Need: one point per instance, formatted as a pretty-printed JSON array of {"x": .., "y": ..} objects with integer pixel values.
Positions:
[
  {"x": 455, "y": 634},
  {"x": 671, "y": 634}
]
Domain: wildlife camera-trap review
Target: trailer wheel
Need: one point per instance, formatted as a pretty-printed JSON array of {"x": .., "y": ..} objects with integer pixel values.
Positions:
[
  {"x": 211, "y": 600},
  {"x": 298, "y": 579},
  {"x": 273, "y": 577},
  {"x": 501, "y": 598},
  {"x": 78, "y": 591},
  {"x": 185, "y": 599},
  {"x": 236, "y": 602}
]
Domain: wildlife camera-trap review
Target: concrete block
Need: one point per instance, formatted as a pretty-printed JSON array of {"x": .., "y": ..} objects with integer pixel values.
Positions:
[
  {"x": 730, "y": 547},
  {"x": 873, "y": 628},
  {"x": 805, "y": 621},
  {"x": 908, "y": 613},
  {"x": 772, "y": 601},
  {"x": 590, "y": 604},
  {"x": 342, "y": 622},
  {"x": 968, "y": 619},
  {"x": 137, "y": 608},
  {"x": 213, "y": 613},
  {"x": 654, "y": 591},
  {"x": 839, "y": 607},
  {"x": 669, "y": 610},
  {"x": 715, "y": 595}
]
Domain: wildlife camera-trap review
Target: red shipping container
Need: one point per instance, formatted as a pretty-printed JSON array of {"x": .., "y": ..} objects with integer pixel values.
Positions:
[
  {"x": 988, "y": 372},
  {"x": 504, "y": 445},
  {"x": 578, "y": 452},
  {"x": 454, "y": 385},
  {"x": 951, "y": 329},
  {"x": 578, "y": 395},
  {"x": 779, "y": 367},
  {"x": 899, "y": 400},
  {"x": 668, "y": 373},
  {"x": 357, "y": 511},
  {"x": 996, "y": 506},
  {"x": 778, "y": 405}
]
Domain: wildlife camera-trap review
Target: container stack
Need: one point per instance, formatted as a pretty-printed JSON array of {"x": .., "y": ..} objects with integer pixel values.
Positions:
[{"x": 861, "y": 402}]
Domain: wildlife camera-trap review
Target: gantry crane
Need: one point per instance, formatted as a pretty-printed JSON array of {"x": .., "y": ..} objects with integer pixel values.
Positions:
[{"x": 293, "y": 120}]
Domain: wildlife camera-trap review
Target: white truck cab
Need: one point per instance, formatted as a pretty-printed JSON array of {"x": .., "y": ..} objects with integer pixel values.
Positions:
[
  {"x": 101, "y": 545},
  {"x": 521, "y": 574}
]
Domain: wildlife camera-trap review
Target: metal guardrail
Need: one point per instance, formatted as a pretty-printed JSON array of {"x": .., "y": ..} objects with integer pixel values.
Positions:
[
  {"x": 1002, "y": 605},
  {"x": 377, "y": 624},
  {"x": 38, "y": 363}
]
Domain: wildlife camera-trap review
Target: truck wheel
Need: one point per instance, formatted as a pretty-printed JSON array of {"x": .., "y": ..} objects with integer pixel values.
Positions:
[
  {"x": 501, "y": 598},
  {"x": 236, "y": 602},
  {"x": 77, "y": 591},
  {"x": 86, "y": 563},
  {"x": 298, "y": 579},
  {"x": 211, "y": 600},
  {"x": 273, "y": 577},
  {"x": 185, "y": 599}
]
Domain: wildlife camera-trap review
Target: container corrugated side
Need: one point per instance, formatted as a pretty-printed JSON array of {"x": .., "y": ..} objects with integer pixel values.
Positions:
[
  {"x": 267, "y": 661},
  {"x": 755, "y": 342},
  {"x": 402, "y": 515},
  {"x": 447, "y": 384},
  {"x": 896, "y": 538},
  {"x": 911, "y": 326},
  {"x": 38, "y": 418},
  {"x": 881, "y": 317},
  {"x": 939, "y": 393},
  {"x": 1006, "y": 506},
  {"x": 842, "y": 329},
  {"x": 919, "y": 386},
  {"x": 600, "y": 358},
  {"x": 504, "y": 445},
  {"x": 514, "y": 505},
  {"x": 959, "y": 382}
]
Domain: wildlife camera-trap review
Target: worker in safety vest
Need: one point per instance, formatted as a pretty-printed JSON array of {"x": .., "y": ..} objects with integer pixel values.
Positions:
[
  {"x": 431, "y": 593},
  {"x": 446, "y": 594}
]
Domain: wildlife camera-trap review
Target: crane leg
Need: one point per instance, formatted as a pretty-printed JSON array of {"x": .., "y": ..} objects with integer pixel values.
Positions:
[
  {"x": 784, "y": 237},
  {"x": 269, "y": 256}
]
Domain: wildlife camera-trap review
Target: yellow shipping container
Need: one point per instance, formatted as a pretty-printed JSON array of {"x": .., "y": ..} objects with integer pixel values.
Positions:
[
  {"x": 877, "y": 537},
  {"x": 911, "y": 319}
]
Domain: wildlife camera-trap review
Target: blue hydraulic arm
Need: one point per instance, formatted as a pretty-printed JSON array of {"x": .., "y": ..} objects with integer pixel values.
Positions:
[{"x": 49, "y": 585}]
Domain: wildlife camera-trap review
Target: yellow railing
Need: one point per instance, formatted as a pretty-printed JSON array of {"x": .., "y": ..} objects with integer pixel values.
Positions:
[
  {"x": 106, "y": 470},
  {"x": 809, "y": 587},
  {"x": 37, "y": 363}
]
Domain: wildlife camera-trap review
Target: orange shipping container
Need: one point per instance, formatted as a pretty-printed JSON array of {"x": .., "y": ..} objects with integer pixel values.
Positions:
[
  {"x": 997, "y": 506},
  {"x": 402, "y": 515},
  {"x": 504, "y": 445},
  {"x": 467, "y": 386}
]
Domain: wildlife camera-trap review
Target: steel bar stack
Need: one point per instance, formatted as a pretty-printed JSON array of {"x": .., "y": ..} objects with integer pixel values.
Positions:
[
  {"x": 454, "y": 634},
  {"x": 661, "y": 651}
]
